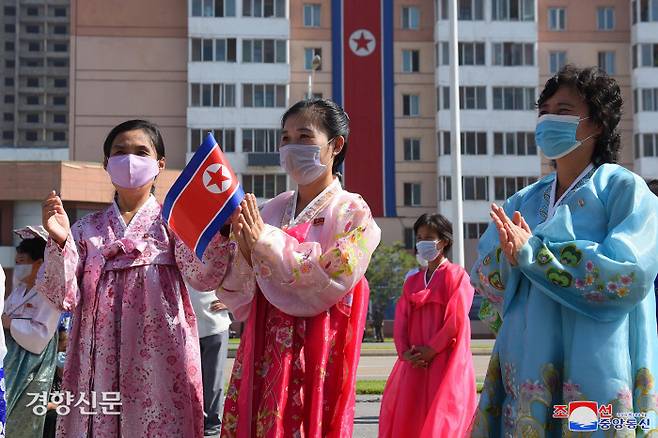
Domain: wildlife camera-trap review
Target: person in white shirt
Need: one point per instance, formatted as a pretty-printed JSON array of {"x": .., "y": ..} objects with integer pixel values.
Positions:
[
  {"x": 30, "y": 328},
  {"x": 213, "y": 324}
]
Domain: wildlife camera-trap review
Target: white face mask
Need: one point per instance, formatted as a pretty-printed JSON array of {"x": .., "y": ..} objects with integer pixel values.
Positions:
[
  {"x": 21, "y": 272},
  {"x": 302, "y": 162},
  {"x": 421, "y": 261},
  {"x": 428, "y": 250}
]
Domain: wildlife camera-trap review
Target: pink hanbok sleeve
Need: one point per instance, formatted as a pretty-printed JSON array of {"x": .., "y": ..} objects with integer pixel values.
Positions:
[
  {"x": 456, "y": 311},
  {"x": 306, "y": 279},
  {"x": 208, "y": 274},
  {"x": 238, "y": 288},
  {"x": 400, "y": 326},
  {"x": 60, "y": 279}
]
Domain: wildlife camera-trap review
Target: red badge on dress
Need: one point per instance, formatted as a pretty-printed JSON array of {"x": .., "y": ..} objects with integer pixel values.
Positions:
[{"x": 318, "y": 221}]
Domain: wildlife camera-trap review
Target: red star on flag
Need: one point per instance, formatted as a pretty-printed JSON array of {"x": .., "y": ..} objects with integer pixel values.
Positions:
[
  {"x": 217, "y": 178},
  {"x": 362, "y": 42}
]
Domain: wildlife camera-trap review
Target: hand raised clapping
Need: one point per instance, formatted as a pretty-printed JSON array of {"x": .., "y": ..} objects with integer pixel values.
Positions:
[{"x": 513, "y": 234}]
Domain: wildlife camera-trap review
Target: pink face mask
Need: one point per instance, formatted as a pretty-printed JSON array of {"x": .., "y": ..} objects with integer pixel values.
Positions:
[{"x": 132, "y": 171}]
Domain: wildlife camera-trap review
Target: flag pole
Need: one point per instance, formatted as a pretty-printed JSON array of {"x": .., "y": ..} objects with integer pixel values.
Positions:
[{"x": 455, "y": 140}]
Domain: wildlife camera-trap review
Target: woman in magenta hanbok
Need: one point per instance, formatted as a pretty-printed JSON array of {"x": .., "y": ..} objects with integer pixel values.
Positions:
[
  {"x": 431, "y": 391},
  {"x": 120, "y": 271},
  {"x": 299, "y": 284}
]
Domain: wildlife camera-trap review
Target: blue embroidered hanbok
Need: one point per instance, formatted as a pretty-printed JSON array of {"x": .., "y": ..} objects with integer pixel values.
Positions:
[{"x": 578, "y": 312}]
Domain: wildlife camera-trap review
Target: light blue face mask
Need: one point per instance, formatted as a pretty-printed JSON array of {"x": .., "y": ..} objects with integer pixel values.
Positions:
[{"x": 556, "y": 135}]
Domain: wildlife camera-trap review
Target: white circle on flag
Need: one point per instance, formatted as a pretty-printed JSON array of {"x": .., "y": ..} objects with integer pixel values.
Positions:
[
  {"x": 362, "y": 42},
  {"x": 217, "y": 179}
]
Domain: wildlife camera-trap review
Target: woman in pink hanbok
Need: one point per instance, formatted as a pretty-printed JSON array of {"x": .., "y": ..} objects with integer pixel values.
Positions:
[
  {"x": 431, "y": 391},
  {"x": 299, "y": 284},
  {"x": 132, "y": 367}
]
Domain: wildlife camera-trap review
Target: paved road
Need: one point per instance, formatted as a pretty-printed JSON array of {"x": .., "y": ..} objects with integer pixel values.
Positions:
[{"x": 379, "y": 367}]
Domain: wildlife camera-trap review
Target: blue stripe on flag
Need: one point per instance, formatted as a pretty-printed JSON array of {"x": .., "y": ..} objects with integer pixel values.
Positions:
[
  {"x": 218, "y": 221},
  {"x": 187, "y": 174},
  {"x": 337, "y": 50},
  {"x": 388, "y": 109}
]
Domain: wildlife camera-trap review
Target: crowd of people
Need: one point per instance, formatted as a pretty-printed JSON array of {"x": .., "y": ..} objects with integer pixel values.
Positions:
[{"x": 114, "y": 327}]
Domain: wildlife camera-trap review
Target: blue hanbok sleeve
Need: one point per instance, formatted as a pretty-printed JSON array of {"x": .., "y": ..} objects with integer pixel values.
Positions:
[
  {"x": 603, "y": 280},
  {"x": 492, "y": 275}
]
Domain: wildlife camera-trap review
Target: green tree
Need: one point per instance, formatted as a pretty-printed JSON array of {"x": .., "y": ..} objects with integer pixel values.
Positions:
[{"x": 386, "y": 272}]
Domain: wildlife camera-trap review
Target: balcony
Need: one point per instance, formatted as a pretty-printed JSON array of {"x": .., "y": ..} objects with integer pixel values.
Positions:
[{"x": 263, "y": 159}]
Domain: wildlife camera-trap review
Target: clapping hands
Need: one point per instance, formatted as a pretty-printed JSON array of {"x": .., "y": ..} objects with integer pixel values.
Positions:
[{"x": 513, "y": 234}]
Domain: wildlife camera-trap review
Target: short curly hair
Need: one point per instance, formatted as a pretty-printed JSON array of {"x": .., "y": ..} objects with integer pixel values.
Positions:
[{"x": 603, "y": 97}]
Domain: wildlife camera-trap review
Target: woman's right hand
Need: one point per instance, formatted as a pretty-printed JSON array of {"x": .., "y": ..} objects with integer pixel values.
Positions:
[{"x": 55, "y": 219}]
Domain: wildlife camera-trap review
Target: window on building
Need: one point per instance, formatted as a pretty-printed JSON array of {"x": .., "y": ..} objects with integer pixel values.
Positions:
[
  {"x": 59, "y": 12},
  {"x": 470, "y": 10},
  {"x": 31, "y": 136},
  {"x": 59, "y": 118},
  {"x": 649, "y": 146},
  {"x": 9, "y": 11},
  {"x": 34, "y": 46},
  {"x": 32, "y": 82},
  {"x": 33, "y": 29},
  {"x": 58, "y": 62},
  {"x": 217, "y": 50},
  {"x": 311, "y": 15},
  {"x": 33, "y": 118},
  {"x": 33, "y": 100},
  {"x": 409, "y": 238},
  {"x": 513, "y": 10},
  {"x": 445, "y": 53},
  {"x": 264, "y": 51},
  {"x": 266, "y": 8},
  {"x": 32, "y": 11},
  {"x": 649, "y": 99},
  {"x": 506, "y": 186},
  {"x": 514, "y": 98},
  {"x": 412, "y": 194},
  {"x": 605, "y": 18},
  {"x": 475, "y": 188},
  {"x": 474, "y": 230},
  {"x": 224, "y": 137},
  {"x": 10, "y": 63},
  {"x": 514, "y": 143},
  {"x": 213, "y": 8},
  {"x": 7, "y": 135},
  {"x": 59, "y": 29},
  {"x": 60, "y": 47},
  {"x": 8, "y": 117},
  {"x": 410, "y": 61},
  {"x": 260, "y": 140},
  {"x": 9, "y": 82},
  {"x": 59, "y": 135},
  {"x": 410, "y": 18},
  {"x": 556, "y": 60},
  {"x": 59, "y": 100},
  {"x": 309, "y": 54},
  {"x": 648, "y": 10},
  {"x": 10, "y": 28},
  {"x": 60, "y": 83},
  {"x": 9, "y": 98},
  {"x": 265, "y": 186},
  {"x": 411, "y": 149},
  {"x": 472, "y": 143},
  {"x": 445, "y": 188},
  {"x": 607, "y": 62},
  {"x": 513, "y": 54},
  {"x": 9, "y": 46},
  {"x": 648, "y": 55},
  {"x": 557, "y": 19},
  {"x": 263, "y": 95},
  {"x": 469, "y": 53},
  {"x": 212, "y": 95},
  {"x": 410, "y": 105},
  {"x": 470, "y": 98}
]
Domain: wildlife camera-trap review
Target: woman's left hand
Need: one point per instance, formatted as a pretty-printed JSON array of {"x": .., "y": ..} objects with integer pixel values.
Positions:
[
  {"x": 251, "y": 221},
  {"x": 513, "y": 233}
]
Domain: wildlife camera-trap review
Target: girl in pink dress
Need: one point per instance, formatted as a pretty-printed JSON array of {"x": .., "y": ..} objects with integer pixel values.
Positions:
[
  {"x": 134, "y": 344},
  {"x": 299, "y": 284},
  {"x": 431, "y": 391}
]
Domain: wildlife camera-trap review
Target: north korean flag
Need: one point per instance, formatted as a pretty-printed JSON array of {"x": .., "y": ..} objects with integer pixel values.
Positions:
[{"x": 203, "y": 197}]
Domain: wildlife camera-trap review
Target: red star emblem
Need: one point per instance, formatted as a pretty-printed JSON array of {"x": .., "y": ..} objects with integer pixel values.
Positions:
[
  {"x": 362, "y": 42},
  {"x": 217, "y": 178}
]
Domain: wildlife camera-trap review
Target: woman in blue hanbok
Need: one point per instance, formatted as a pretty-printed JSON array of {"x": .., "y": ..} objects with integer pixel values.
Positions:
[{"x": 567, "y": 269}]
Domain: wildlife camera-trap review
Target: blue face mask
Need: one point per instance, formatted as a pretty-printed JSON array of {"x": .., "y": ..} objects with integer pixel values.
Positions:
[{"x": 556, "y": 135}]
